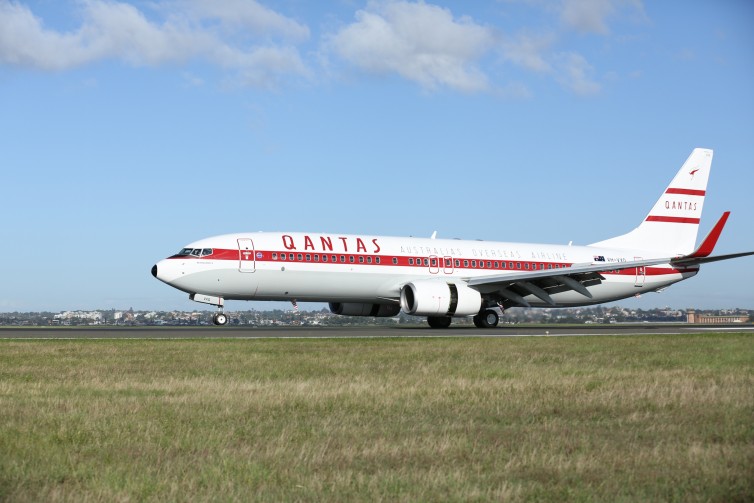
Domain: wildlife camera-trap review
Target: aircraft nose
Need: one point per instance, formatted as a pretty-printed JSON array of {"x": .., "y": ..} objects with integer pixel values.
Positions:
[{"x": 154, "y": 270}]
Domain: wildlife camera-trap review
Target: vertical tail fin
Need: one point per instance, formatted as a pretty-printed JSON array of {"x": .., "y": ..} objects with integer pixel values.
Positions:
[{"x": 672, "y": 224}]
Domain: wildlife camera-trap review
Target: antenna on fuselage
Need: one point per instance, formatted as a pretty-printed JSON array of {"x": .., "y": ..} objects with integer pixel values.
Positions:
[{"x": 434, "y": 235}]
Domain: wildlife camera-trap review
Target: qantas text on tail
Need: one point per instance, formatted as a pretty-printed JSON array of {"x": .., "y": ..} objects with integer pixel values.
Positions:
[{"x": 362, "y": 275}]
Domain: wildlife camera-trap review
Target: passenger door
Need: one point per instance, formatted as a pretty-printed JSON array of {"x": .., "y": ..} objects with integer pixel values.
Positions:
[{"x": 246, "y": 260}]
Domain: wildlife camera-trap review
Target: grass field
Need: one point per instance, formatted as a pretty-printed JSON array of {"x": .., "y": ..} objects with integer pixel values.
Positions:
[{"x": 579, "y": 418}]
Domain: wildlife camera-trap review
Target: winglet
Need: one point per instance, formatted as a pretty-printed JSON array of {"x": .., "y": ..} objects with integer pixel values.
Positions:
[{"x": 711, "y": 240}]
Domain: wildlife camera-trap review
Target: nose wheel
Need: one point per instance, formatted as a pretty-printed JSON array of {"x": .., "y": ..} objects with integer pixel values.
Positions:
[{"x": 219, "y": 319}]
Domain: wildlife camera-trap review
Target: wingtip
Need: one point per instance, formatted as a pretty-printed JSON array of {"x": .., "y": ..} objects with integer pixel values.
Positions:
[{"x": 708, "y": 245}]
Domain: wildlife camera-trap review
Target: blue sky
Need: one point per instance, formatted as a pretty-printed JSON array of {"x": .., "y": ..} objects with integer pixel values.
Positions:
[{"x": 128, "y": 129}]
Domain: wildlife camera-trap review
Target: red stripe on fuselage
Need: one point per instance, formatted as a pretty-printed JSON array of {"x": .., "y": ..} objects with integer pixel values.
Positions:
[{"x": 415, "y": 262}]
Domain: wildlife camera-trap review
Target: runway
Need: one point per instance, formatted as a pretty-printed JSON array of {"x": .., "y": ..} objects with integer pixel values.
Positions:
[{"x": 211, "y": 332}]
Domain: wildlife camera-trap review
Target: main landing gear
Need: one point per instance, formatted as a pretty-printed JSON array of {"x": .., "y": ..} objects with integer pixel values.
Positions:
[
  {"x": 487, "y": 318},
  {"x": 219, "y": 318}
]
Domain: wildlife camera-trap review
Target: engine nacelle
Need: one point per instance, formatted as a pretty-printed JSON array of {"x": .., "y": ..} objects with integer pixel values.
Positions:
[
  {"x": 358, "y": 309},
  {"x": 440, "y": 298}
]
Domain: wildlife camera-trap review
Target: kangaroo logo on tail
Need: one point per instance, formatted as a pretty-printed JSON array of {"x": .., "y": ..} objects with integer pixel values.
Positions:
[{"x": 693, "y": 172}]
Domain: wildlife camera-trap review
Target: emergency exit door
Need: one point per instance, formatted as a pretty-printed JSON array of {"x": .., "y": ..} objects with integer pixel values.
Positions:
[{"x": 641, "y": 274}]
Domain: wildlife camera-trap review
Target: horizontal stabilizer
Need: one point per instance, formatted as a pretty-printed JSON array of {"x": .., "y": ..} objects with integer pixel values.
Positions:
[{"x": 692, "y": 261}]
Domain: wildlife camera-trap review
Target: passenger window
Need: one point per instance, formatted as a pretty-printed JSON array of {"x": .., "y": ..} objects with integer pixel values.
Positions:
[
  {"x": 351, "y": 259},
  {"x": 526, "y": 265},
  {"x": 473, "y": 263},
  {"x": 410, "y": 261},
  {"x": 342, "y": 258},
  {"x": 308, "y": 257},
  {"x": 395, "y": 260},
  {"x": 334, "y": 258},
  {"x": 434, "y": 262},
  {"x": 369, "y": 260},
  {"x": 458, "y": 263},
  {"x": 497, "y": 265},
  {"x": 518, "y": 265},
  {"x": 300, "y": 257},
  {"x": 361, "y": 260},
  {"x": 489, "y": 264},
  {"x": 426, "y": 262},
  {"x": 274, "y": 256},
  {"x": 510, "y": 265},
  {"x": 549, "y": 266},
  {"x": 316, "y": 257},
  {"x": 466, "y": 263}
]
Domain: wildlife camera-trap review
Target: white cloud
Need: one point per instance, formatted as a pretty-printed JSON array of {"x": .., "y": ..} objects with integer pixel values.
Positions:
[
  {"x": 587, "y": 15},
  {"x": 244, "y": 14},
  {"x": 421, "y": 42},
  {"x": 257, "y": 46},
  {"x": 117, "y": 30},
  {"x": 528, "y": 51},
  {"x": 574, "y": 73},
  {"x": 535, "y": 53},
  {"x": 591, "y": 16}
]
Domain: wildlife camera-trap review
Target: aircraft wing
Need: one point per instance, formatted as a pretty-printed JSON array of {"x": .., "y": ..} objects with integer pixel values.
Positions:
[{"x": 511, "y": 288}]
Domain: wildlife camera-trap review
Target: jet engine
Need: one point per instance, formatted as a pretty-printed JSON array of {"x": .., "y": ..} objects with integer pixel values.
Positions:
[
  {"x": 358, "y": 309},
  {"x": 440, "y": 298}
]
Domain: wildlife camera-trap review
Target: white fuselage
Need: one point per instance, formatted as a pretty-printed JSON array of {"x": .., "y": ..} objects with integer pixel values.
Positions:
[{"x": 373, "y": 269}]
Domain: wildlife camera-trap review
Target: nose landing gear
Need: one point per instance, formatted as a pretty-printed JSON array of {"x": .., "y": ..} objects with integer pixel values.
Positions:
[{"x": 219, "y": 318}]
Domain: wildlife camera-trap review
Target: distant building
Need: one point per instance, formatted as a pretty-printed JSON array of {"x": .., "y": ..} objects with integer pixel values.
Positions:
[{"x": 713, "y": 319}]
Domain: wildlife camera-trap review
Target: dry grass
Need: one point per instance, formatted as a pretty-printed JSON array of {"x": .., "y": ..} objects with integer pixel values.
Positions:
[{"x": 599, "y": 418}]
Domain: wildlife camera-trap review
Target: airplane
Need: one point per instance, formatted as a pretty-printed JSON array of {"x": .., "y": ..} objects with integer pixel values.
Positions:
[{"x": 442, "y": 279}]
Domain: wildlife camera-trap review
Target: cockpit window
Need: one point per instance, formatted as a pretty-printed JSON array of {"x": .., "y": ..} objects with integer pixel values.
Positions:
[{"x": 195, "y": 252}]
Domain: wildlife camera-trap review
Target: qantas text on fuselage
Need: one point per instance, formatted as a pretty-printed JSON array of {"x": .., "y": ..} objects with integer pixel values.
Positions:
[{"x": 362, "y": 275}]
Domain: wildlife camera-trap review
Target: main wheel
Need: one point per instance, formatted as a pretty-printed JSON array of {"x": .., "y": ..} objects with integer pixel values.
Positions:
[
  {"x": 439, "y": 321},
  {"x": 219, "y": 319},
  {"x": 486, "y": 319}
]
